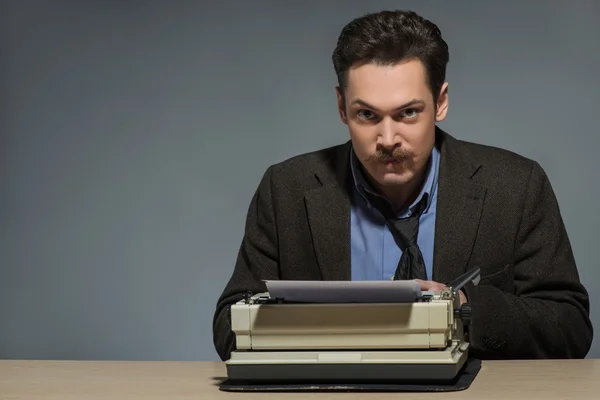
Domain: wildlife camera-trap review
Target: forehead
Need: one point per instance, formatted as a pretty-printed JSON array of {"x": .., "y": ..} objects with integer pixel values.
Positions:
[{"x": 388, "y": 85}]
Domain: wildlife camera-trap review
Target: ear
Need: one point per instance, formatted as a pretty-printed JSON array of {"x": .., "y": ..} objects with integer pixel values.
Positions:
[
  {"x": 442, "y": 103},
  {"x": 341, "y": 104}
]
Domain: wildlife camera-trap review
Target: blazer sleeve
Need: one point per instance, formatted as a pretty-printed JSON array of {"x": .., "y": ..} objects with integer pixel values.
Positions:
[
  {"x": 547, "y": 314},
  {"x": 257, "y": 259}
]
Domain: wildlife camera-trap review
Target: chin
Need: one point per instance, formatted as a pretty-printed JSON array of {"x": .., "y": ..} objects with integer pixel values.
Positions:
[
  {"x": 394, "y": 179},
  {"x": 387, "y": 176}
]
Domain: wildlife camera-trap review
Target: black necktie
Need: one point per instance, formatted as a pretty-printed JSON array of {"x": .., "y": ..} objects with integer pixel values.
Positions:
[{"x": 405, "y": 232}]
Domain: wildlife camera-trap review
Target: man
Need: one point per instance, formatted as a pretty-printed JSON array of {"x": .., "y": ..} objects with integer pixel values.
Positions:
[{"x": 405, "y": 200}]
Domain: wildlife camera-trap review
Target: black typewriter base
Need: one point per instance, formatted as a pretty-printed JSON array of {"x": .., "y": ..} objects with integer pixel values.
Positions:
[{"x": 372, "y": 378}]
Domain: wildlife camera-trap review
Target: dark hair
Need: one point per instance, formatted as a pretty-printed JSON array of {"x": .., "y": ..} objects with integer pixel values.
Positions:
[{"x": 389, "y": 37}]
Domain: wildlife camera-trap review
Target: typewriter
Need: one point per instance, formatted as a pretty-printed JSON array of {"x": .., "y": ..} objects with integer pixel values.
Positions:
[{"x": 281, "y": 337}]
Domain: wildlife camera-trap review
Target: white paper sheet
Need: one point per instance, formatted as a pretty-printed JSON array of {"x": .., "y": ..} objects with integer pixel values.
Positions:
[{"x": 344, "y": 291}]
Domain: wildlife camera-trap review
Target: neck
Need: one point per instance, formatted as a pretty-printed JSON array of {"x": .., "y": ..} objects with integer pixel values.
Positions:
[{"x": 402, "y": 196}]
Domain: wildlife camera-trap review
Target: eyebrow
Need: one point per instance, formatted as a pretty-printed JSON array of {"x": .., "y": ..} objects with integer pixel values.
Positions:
[{"x": 413, "y": 102}]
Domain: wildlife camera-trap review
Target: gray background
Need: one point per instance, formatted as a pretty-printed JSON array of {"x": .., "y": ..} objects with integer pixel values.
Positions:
[{"x": 133, "y": 134}]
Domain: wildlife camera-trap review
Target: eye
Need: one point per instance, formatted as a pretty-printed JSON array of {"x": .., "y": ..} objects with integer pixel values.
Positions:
[
  {"x": 366, "y": 115},
  {"x": 410, "y": 113}
]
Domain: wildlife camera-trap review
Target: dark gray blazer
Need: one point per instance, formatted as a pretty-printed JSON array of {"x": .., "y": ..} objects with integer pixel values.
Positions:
[{"x": 496, "y": 210}]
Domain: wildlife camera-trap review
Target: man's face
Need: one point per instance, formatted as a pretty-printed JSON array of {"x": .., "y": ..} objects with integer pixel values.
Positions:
[{"x": 391, "y": 117}]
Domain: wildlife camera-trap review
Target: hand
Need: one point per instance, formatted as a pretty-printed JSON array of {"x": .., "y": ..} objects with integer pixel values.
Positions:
[{"x": 434, "y": 286}]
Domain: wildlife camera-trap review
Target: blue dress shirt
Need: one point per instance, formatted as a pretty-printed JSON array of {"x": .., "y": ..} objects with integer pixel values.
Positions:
[{"x": 374, "y": 253}]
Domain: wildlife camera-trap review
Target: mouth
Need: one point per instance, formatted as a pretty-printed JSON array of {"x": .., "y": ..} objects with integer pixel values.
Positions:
[
  {"x": 389, "y": 162},
  {"x": 391, "y": 165}
]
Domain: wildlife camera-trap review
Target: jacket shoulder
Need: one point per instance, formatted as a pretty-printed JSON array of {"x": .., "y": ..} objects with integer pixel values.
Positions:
[
  {"x": 488, "y": 154},
  {"x": 499, "y": 163},
  {"x": 301, "y": 171},
  {"x": 310, "y": 160}
]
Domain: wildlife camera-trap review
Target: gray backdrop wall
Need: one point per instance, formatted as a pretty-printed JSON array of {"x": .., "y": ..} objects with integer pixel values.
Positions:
[{"x": 133, "y": 134}]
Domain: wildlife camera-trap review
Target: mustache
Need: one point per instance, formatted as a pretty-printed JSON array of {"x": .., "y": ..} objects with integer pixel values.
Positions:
[{"x": 385, "y": 155}]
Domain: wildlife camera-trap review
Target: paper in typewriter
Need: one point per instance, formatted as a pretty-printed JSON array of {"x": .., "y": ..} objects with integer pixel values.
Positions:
[{"x": 344, "y": 291}]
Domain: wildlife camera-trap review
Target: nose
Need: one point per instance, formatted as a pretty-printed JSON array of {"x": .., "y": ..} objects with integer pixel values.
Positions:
[{"x": 388, "y": 137}]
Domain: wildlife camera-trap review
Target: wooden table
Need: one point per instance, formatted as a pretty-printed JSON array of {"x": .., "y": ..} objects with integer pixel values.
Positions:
[{"x": 83, "y": 380}]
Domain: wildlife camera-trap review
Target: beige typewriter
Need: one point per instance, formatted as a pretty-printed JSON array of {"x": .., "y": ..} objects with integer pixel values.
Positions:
[{"x": 301, "y": 334}]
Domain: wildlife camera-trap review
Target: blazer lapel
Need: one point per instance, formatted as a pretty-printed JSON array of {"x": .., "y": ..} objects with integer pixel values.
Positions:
[
  {"x": 328, "y": 210},
  {"x": 459, "y": 206}
]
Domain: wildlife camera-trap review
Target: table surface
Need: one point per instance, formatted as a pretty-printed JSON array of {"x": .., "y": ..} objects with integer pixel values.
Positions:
[{"x": 83, "y": 380}]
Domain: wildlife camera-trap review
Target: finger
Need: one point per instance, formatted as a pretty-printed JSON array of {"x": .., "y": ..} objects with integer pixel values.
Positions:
[
  {"x": 423, "y": 285},
  {"x": 437, "y": 286},
  {"x": 430, "y": 285}
]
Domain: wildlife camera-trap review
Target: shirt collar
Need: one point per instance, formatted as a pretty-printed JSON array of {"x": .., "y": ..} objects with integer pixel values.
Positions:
[{"x": 365, "y": 189}]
